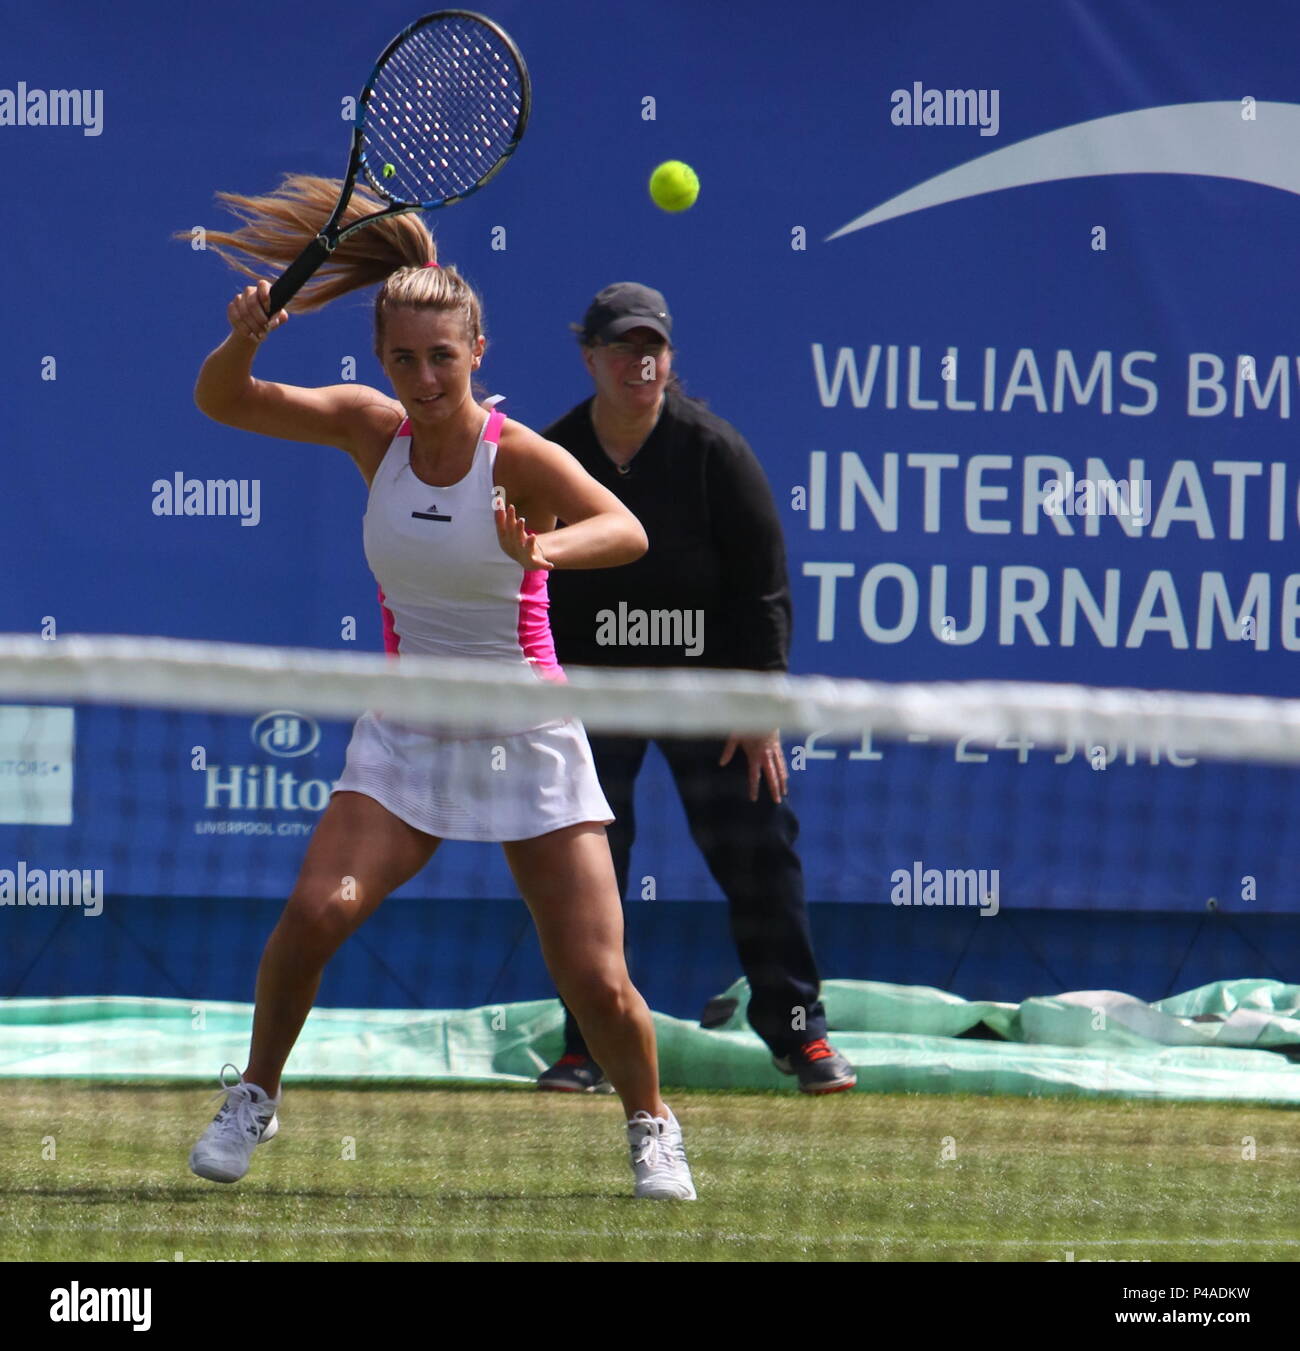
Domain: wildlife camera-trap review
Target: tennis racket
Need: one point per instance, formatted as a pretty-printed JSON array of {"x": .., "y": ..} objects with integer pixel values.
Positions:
[{"x": 444, "y": 108}]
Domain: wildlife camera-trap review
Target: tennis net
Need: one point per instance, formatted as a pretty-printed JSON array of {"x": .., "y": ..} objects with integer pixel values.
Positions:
[
  {"x": 185, "y": 778},
  {"x": 182, "y": 771}
]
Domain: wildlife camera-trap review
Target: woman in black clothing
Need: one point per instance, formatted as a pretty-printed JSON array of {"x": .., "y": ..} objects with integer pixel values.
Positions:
[{"x": 716, "y": 564}]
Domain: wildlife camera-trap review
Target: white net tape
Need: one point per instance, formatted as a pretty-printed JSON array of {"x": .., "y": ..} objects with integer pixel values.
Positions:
[{"x": 234, "y": 678}]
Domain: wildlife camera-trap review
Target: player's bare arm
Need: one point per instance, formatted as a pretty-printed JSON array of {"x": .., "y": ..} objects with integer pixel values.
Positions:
[
  {"x": 543, "y": 483},
  {"x": 354, "y": 418}
]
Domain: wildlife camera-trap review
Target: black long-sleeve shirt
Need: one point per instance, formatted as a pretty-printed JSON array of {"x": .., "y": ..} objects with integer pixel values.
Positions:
[{"x": 715, "y": 547}]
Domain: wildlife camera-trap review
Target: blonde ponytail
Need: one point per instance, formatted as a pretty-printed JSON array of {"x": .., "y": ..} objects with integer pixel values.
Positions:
[{"x": 394, "y": 253}]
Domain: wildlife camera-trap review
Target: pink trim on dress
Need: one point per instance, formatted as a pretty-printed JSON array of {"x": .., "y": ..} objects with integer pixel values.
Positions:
[
  {"x": 392, "y": 642},
  {"x": 534, "y": 627}
]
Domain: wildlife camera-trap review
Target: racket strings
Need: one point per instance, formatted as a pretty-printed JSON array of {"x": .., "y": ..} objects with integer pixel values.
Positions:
[{"x": 441, "y": 112}]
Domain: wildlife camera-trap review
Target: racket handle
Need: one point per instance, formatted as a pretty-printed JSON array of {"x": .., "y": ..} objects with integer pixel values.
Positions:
[{"x": 297, "y": 274}]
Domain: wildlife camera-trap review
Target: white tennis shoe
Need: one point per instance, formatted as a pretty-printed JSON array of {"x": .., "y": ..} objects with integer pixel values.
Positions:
[
  {"x": 246, "y": 1120},
  {"x": 659, "y": 1158}
]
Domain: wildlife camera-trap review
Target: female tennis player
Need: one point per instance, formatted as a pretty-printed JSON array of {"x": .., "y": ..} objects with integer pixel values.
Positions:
[{"x": 462, "y": 574}]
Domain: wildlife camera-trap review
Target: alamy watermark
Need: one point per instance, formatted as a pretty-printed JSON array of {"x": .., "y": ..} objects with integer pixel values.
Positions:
[
  {"x": 75, "y": 1303},
  {"x": 181, "y": 496},
  {"x": 922, "y": 107},
  {"x": 1129, "y": 498},
  {"x": 24, "y": 885},
  {"x": 25, "y": 107},
  {"x": 920, "y": 885},
  {"x": 651, "y": 628}
]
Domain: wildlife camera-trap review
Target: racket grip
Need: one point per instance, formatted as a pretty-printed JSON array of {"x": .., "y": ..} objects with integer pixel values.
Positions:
[{"x": 297, "y": 274}]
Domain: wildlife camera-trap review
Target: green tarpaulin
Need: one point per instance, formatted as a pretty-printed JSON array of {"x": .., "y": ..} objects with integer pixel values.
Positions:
[{"x": 1227, "y": 1041}]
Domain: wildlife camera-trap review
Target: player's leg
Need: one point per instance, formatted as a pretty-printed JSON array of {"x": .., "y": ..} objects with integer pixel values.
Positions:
[
  {"x": 566, "y": 878},
  {"x": 358, "y": 854},
  {"x": 750, "y": 851},
  {"x": 618, "y": 761}
]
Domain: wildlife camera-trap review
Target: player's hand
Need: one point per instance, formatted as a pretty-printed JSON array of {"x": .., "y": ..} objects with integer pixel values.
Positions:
[
  {"x": 516, "y": 539},
  {"x": 247, "y": 313},
  {"x": 766, "y": 761}
]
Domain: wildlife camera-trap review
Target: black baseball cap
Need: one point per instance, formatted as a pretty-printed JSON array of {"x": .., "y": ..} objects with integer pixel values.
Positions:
[{"x": 622, "y": 307}]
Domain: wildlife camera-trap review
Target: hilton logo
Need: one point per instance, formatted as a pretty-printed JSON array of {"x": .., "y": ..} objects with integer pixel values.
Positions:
[{"x": 285, "y": 734}]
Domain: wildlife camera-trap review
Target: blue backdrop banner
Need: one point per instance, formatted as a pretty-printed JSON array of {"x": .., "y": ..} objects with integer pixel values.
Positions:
[{"x": 997, "y": 294}]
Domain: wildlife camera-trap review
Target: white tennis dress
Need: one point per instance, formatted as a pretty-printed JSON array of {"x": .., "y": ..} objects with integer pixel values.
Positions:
[{"x": 449, "y": 590}]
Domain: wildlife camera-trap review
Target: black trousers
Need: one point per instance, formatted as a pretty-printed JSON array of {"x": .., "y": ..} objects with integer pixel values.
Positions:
[{"x": 749, "y": 849}]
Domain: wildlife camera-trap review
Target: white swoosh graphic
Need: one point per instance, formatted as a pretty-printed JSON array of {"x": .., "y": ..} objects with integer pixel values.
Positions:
[{"x": 1181, "y": 138}]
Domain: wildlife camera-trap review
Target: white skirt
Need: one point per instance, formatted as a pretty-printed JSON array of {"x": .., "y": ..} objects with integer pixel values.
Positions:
[{"x": 496, "y": 788}]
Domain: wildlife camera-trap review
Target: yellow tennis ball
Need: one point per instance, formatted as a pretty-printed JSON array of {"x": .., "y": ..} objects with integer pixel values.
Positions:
[{"x": 674, "y": 186}]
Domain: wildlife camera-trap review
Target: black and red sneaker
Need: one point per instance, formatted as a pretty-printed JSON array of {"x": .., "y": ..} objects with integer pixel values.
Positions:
[
  {"x": 820, "y": 1067},
  {"x": 574, "y": 1074}
]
